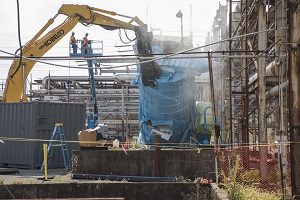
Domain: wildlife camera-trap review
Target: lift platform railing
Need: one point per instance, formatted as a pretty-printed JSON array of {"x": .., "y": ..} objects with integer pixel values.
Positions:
[{"x": 95, "y": 48}]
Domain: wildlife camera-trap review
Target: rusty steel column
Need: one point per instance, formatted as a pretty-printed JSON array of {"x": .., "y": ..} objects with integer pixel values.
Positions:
[
  {"x": 262, "y": 111},
  {"x": 212, "y": 98},
  {"x": 280, "y": 56},
  {"x": 157, "y": 156},
  {"x": 244, "y": 90},
  {"x": 232, "y": 138},
  {"x": 223, "y": 115},
  {"x": 213, "y": 106},
  {"x": 294, "y": 94},
  {"x": 280, "y": 71}
]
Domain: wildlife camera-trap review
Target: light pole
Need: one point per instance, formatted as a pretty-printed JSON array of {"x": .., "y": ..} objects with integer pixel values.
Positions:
[{"x": 180, "y": 15}]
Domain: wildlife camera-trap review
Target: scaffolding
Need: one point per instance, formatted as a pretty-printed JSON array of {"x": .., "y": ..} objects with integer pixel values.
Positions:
[{"x": 259, "y": 80}]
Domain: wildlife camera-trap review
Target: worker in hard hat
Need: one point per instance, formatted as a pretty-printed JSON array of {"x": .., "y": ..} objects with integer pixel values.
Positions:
[
  {"x": 86, "y": 43},
  {"x": 73, "y": 42}
]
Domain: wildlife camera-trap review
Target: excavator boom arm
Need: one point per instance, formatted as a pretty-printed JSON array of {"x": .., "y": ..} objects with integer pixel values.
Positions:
[
  {"x": 14, "y": 88},
  {"x": 90, "y": 15}
]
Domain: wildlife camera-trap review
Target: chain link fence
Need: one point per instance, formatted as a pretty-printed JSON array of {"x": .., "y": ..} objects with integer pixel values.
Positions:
[{"x": 262, "y": 169}]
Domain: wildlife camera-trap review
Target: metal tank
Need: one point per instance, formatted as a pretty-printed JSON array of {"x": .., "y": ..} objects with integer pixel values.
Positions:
[{"x": 168, "y": 107}]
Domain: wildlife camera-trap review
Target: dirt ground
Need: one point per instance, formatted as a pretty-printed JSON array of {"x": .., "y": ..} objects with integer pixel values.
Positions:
[{"x": 34, "y": 176}]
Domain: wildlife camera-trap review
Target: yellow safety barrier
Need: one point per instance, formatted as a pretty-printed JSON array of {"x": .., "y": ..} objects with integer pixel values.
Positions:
[{"x": 45, "y": 161}]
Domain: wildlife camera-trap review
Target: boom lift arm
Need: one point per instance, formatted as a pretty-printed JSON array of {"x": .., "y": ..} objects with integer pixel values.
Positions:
[{"x": 38, "y": 46}]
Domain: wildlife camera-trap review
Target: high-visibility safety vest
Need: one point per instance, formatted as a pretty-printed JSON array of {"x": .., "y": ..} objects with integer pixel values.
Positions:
[
  {"x": 72, "y": 38},
  {"x": 85, "y": 41}
]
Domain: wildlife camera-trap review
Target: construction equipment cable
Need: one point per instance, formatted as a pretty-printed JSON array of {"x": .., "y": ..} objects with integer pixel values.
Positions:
[{"x": 20, "y": 45}]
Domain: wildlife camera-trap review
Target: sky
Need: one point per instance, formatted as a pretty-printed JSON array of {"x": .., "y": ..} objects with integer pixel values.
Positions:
[{"x": 198, "y": 15}]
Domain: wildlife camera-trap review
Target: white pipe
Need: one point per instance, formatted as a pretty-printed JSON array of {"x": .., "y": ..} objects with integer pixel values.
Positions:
[
  {"x": 270, "y": 71},
  {"x": 118, "y": 122},
  {"x": 274, "y": 91},
  {"x": 115, "y": 77}
]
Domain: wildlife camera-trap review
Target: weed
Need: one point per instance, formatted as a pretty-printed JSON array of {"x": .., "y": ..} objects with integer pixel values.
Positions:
[
  {"x": 234, "y": 191},
  {"x": 240, "y": 185},
  {"x": 247, "y": 192},
  {"x": 249, "y": 177}
]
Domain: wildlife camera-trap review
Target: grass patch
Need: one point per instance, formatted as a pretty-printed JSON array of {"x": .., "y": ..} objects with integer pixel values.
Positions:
[
  {"x": 248, "y": 193},
  {"x": 237, "y": 191},
  {"x": 240, "y": 185}
]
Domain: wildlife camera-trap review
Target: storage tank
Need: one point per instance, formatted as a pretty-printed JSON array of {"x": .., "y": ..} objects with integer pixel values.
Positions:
[{"x": 168, "y": 107}]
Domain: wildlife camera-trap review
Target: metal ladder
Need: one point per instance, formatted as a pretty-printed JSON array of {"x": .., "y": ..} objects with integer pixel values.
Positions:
[{"x": 58, "y": 140}]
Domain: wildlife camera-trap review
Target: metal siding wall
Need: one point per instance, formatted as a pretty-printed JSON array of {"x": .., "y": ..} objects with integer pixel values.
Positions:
[
  {"x": 36, "y": 120},
  {"x": 17, "y": 121},
  {"x": 73, "y": 118}
]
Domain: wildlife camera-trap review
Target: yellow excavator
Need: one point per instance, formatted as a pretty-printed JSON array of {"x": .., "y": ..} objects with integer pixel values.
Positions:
[{"x": 39, "y": 45}]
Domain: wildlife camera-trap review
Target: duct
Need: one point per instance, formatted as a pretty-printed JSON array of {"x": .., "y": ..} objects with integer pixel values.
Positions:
[
  {"x": 274, "y": 91},
  {"x": 104, "y": 113},
  {"x": 270, "y": 71},
  {"x": 73, "y": 78},
  {"x": 132, "y": 103},
  {"x": 106, "y": 95},
  {"x": 125, "y": 77},
  {"x": 86, "y": 95},
  {"x": 77, "y": 91},
  {"x": 118, "y": 122},
  {"x": 119, "y": 108},
  {"x": 115, "y": 77}
]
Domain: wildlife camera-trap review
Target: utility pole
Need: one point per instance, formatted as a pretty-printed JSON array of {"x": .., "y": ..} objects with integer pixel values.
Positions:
[{"x": 180, "y": 15}]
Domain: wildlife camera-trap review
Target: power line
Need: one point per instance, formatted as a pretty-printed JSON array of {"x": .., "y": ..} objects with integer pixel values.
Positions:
[{"x": 148, "y": 59}]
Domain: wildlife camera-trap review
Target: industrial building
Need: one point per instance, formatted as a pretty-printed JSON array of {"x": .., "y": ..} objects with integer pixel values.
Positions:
[{"x": 241, "y": 86}]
